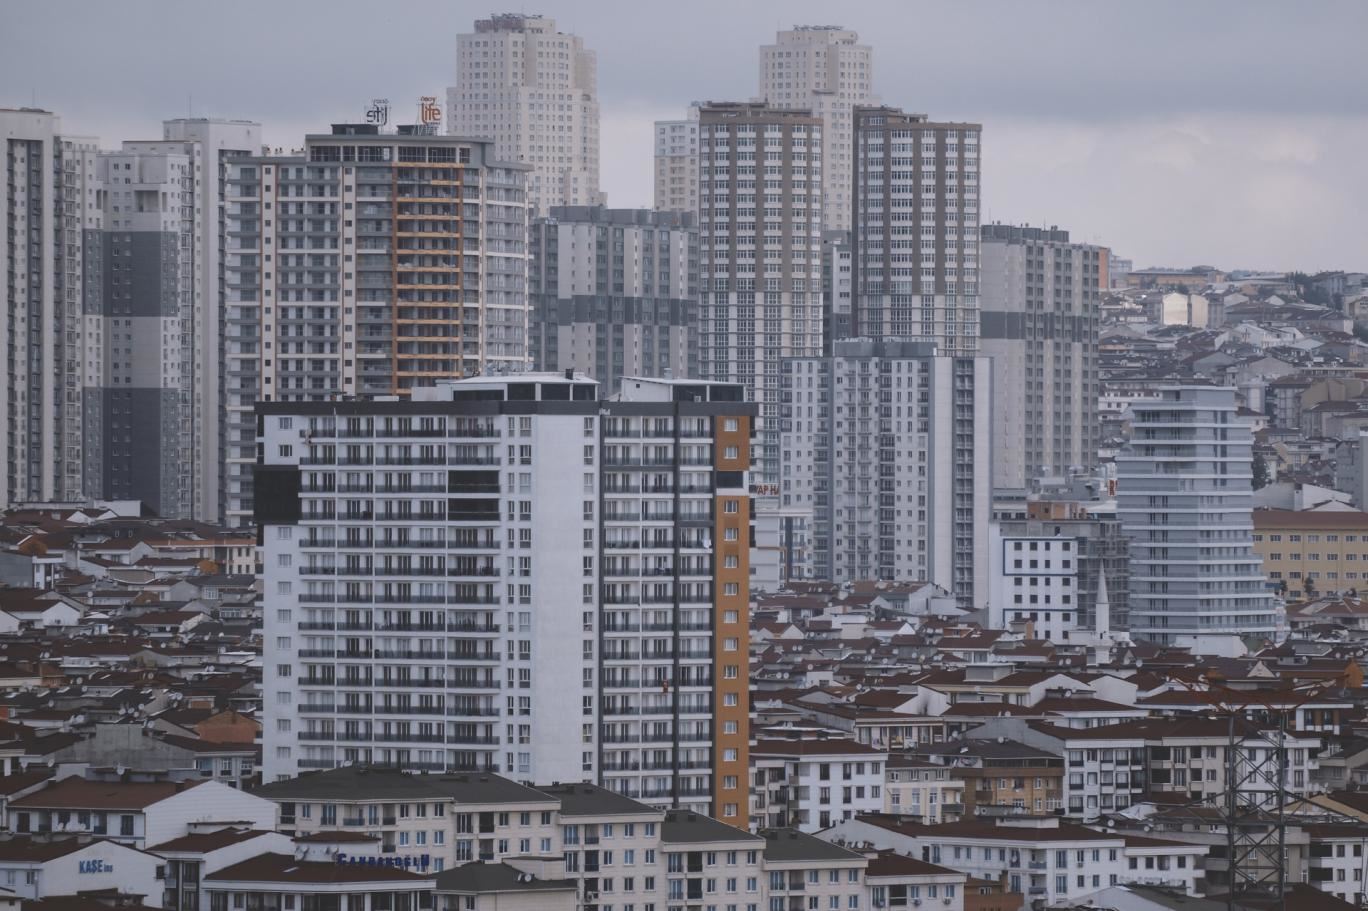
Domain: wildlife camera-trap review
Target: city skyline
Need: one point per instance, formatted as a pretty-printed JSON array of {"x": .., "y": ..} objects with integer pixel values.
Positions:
[{"x": 1197, "y": 141}]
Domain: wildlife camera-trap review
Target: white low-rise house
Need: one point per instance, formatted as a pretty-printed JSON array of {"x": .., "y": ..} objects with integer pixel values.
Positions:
[
  {"x": 1042, "y": 857},
  {"x": 136, "y": 813},
  {"x": 809, "y": 783},
  {"x": 208, "y": 849},
  {"x": 803, "y": 871},
  {"x": 1338, "y": 861},
  {"x": 33, "y": 867}
]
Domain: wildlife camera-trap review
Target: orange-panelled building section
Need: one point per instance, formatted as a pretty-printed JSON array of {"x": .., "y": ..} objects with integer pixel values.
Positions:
[{"x": 731, "y": 639}]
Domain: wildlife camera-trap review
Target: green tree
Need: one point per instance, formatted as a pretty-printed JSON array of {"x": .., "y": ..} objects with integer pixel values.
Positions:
[{"x": 1260, "y": 471}]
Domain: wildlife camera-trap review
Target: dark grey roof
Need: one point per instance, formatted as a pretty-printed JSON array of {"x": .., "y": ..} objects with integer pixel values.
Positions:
[
  {"x": 986, "y": 749},
  {"x": 791, "y": 845},
  {"x": 484, "y": 877},
  {"x": 683, "y": 826},
  {"x": 583, "y": 799},
  {"x": 352, "y": 783}
]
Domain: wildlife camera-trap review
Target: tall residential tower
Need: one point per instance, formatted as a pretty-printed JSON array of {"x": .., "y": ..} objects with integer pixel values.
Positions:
[
  {"x": 534, "y": 92},
  {"x": 512, "y": 575},
  {"x": 50, "y": 202},
  {"x": 1184, "y": 497},
  {"x": 760, "y": 252},
  {"x": 1039, "y": 323},
  {"x": 824, "y": 69},
  {"x": 613, "y": 293},
  {"x": 915, "y": 237},
  {"x": 886, "y": 443},
  {"x": 373, "y": 263}
]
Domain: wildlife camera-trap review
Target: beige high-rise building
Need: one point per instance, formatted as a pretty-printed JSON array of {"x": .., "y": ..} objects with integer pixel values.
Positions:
[
  {"x": 534, "y": 92},
  {"x": 825, "y": 69}
]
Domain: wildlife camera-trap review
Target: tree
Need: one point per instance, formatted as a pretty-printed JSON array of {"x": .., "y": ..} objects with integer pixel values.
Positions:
[
  {"x": 1309, "y": 587},
  {"x": 1260, "y": 471}
]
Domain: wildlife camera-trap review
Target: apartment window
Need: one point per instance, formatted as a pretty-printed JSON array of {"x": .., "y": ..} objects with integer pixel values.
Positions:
[{"x": 731, "y": 506}]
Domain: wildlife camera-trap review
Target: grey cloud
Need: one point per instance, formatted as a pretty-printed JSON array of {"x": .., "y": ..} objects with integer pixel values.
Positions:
[{"x": 1276, "y": 88}]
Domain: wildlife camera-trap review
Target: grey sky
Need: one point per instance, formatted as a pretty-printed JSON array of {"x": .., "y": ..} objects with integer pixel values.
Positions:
[{"x": 1233, "y": 132}]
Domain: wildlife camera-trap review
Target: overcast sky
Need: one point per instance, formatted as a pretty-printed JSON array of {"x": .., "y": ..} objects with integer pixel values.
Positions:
[{"x": 1229, "y": 132}]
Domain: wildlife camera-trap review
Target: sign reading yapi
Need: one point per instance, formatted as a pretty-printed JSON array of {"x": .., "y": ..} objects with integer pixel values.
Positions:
[
  {"x": 93, "y": 866},
  {"x": 429, "y": 111},
  {"x": 407, "y": 861},
  {"x": 378, "y": 112}
]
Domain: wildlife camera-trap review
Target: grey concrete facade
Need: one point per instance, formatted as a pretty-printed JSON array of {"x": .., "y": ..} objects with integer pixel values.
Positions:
[
  {"x": 915, "y": 230},
  {"x": 614, "y": 293},
  {"x": 1041, "y": 297},
  {"x": 884, "y": 441}
]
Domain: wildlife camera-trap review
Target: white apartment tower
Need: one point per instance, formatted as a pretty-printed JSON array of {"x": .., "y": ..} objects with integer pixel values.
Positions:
[
  {"x": 210, "y": 145},
  {"x": 886, "y": 442},
  {"x": 512, "y": 575},
  {"x": 1041, "y": 298},
  {"x": 1184, "y": 497},
  {"x": 49, "y": 199},
  {"x": 915, "y": 236},
  {"x": 824, "y": 69},
  {"x": 154, "y": 396},
  {"x": 371, "y": 264},
  {"x": 760, "y": 252},
  {"x": 533, "y": 91},
  {"x": 676, "y": 163}
]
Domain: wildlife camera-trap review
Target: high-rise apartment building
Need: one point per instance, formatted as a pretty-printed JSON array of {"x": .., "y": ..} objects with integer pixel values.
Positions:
[
  {"x": 760, "y": 252},
  {"x": 676, "y": 164},
  {"x": 886, "y": 442},
  {"x": 613, "y": 293},
  {"x": 1040, "y": 299},
  {"x": 915, "y": 235},
  {"x": 824, "y": 69},
  {"x": 373, "y": 263},
  {"x": 49, "y": 200},
  {"x": 210, "y": 145},
  {"x": 1184, "y": 498},
  {"x": 534, "y": 92},
  {"x": 418, "y": 597},
  {"x": 139, "y": 405}
]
